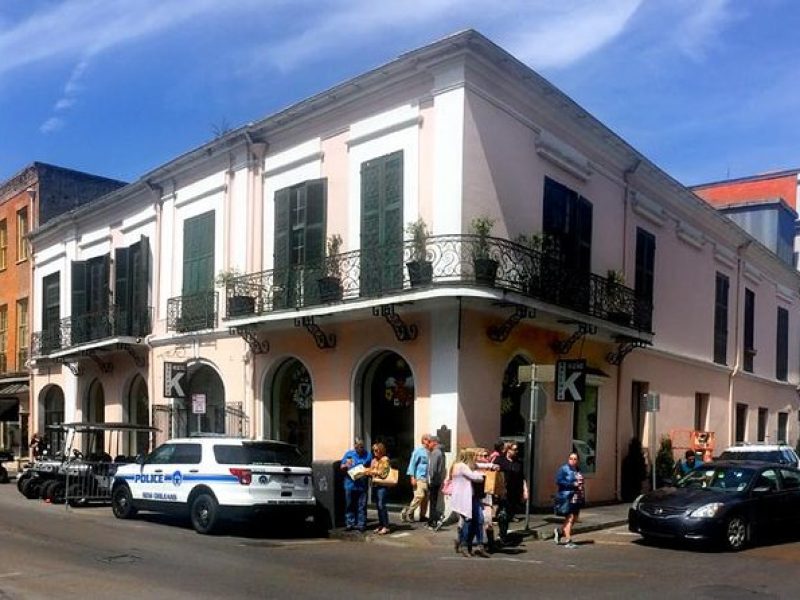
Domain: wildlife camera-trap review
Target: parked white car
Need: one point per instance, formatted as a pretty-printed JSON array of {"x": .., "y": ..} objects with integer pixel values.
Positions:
[
  {"x": 774, "y": 453},
  {"x": 216, "y": 478}
]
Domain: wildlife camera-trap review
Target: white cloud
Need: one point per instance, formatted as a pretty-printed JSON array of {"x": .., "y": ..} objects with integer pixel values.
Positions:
[{"x": 51, "y": 125}]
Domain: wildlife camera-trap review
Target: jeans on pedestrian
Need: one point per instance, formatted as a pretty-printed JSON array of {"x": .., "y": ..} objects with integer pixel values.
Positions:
[
  {"x": 433, "y": 503},
  {"x": 472, "y": 528},
  {"x": 355, "y": 511},
  {"x": 379, "y": 493}
]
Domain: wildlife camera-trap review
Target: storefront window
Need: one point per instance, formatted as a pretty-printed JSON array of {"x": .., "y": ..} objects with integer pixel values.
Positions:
[{"x": 584, "y": 430}]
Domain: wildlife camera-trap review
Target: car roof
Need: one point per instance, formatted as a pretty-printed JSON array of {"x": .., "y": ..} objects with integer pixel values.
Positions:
[
  {"x": 750, "y": 464},
  {"x": 757, "y": 447},
  {"x": 222, "y": 440}
]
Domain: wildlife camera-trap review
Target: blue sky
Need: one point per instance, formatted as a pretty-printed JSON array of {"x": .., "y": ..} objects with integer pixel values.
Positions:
[{"x": 706, "y": 89}]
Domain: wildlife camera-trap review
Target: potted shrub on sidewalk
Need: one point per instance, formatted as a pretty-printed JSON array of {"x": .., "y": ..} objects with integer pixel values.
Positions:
[
  {"x": 485, "y": 266},
  {"x": 330, "y": 284},
  {"x": 420, "y": 269}
]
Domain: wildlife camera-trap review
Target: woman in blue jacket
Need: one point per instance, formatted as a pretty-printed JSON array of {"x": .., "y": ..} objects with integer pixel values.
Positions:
[{"x": 569, "y": 499}]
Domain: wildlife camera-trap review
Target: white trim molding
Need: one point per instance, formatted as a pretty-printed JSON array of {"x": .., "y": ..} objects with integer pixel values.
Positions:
[
  {"x": 691, "y": 235},
  {"x": 563, "y": 155},
  {"x": 725, "y": 256},
  {"x": 648, "y": 209}
]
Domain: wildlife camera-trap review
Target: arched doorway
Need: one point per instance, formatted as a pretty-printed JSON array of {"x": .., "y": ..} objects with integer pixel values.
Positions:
[
  {"x": 94, "y": 409},
  {"x": 387, "y": 412},
  {"x": 137, "y": 411},
  {"x": 291, "y": 406},
  {"x": 52, "y": 405},
  {"x": 204, "y": 380}
]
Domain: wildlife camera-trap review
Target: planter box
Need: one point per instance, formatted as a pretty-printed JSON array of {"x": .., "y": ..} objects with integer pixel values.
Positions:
[
  {"x": 241, "y": 305},
  {"x": 420, "y": 272},
  {"x": 485, "y": 271},
  {"x": 330, "y": 289}
]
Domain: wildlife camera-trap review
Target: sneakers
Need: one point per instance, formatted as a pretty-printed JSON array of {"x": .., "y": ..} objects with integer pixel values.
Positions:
[
  {"x": 570, "y": 544},
  {"x": 557, "y": 535},
  {"x": 404, "y": 517}
]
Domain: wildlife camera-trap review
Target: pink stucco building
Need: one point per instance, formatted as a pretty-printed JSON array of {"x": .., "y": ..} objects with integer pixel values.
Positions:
[{"x": 594, "y": 253}]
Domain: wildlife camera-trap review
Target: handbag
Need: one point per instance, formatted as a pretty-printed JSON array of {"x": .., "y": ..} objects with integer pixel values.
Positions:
[
  {"x": 447, "y": 487},
  {"x": 389, "y": 481}
]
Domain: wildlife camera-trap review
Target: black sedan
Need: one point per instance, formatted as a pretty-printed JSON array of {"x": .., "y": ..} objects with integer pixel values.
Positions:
[{"x": 730, "y": 502}]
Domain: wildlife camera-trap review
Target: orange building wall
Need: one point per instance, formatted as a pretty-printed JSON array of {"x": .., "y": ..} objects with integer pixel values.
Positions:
[
  {"x": 15, "y": 278},
  {"x": 740, "y": 191}
]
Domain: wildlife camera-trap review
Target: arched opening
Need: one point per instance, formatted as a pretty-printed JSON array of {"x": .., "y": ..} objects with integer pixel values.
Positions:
[
  {"x": 205, "y": 387},
  {"x": 94, "y": 410},
  {"x": 291, "y": 406},
  {"x": 387, "y": 412},
  {"x": 138, "y": 413},
  {"x": 52, "y": 413}
]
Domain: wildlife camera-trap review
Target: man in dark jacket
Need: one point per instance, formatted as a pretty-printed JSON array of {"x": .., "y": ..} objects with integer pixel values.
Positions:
[{"x": 436, "y": 475}]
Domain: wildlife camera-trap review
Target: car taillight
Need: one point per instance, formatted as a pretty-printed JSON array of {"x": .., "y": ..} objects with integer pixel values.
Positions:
[{"x": 245, "y": 476}]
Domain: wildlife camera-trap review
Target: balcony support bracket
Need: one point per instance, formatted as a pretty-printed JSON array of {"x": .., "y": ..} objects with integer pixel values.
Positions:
[
  {"x": 105, "y": 367},
  {"x": 73, "y": 365},
  {"x": 250, "y": 336},
  {"x": 324, "y": 341},
  {"x": 500, "y": 333},
  {"x": 625, "y": 345},
  {"x": 138, "y": 359},
  {"x": 402, "y": 332},
  {"x": 583, "y": 329}
]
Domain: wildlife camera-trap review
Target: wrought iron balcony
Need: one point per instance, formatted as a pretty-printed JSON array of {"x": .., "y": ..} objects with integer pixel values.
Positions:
[
  {"x": 193, "y": 312},
  {"x": 450, "y": 260},
  {"x": 75, "y": 330}
]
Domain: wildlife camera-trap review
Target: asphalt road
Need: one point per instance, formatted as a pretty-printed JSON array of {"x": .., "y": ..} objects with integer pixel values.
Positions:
[{"x": 49, "y": 551}]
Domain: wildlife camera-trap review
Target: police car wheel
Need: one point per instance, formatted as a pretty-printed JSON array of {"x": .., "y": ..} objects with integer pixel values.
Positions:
[
  {"x": 21, "y": 479},
  {"x": 204, "y": 513},
  {"x": 122, "y": 503},
  {"x": 30, "y": 489}
]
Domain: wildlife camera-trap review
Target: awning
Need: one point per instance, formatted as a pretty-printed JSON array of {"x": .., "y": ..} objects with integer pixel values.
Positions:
[{"x": 12, "y": 389}]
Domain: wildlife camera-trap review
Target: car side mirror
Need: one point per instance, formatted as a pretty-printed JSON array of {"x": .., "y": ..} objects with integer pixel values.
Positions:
[
  {"x": 140, "y": 459},
  {"x": 761, "y": 490}
]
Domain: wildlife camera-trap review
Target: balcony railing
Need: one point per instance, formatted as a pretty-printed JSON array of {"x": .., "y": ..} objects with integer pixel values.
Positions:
[
  {"x": 75, "y": 330},
  {"x": 370, "y": 273},
  {"x": 193, "y": 312}
]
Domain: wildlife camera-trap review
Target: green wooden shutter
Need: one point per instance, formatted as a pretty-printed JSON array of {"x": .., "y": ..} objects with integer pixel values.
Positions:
[
  {"x": 316, "y": 210},
  {"x": 140, "y": 287},
  {"x": 51, "y": 313},
  {"x": 122, "y": 303},
  {"x": 79, "y": 332},
  {"x": 382, "y": 224},
  {"x": 282, "y": 283},
  {"x": 198, "y": 254}
]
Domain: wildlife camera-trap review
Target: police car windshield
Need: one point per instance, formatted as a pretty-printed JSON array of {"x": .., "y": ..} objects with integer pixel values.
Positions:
[{"x": 258, "y": 453}]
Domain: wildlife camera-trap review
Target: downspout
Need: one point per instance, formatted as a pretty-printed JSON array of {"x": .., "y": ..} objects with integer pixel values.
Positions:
[
  {"x": 740, "y": 250},
  {"x": 626, "y": 176},
  {"x": 157, "y": 205}
]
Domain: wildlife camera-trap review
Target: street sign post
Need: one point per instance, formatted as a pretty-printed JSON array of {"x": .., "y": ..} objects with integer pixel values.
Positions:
[
  {"x": 652, "y": 402},
  {"x": 198, "y": 407}
]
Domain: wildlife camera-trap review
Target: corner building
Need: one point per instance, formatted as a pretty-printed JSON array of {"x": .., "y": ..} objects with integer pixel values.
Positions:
[{"x": 218, "y": 260}]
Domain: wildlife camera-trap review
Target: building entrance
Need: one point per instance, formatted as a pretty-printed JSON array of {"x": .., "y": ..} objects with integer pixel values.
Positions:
[{"x": 291, "y": 408}]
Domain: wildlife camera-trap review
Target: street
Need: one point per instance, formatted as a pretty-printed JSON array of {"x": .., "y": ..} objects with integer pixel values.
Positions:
[{"x": 50, "y": 551}]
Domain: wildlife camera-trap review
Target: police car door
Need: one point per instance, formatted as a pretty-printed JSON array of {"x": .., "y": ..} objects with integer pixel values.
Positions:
[
  {"x": 182, "y": 473},
  {"x": 149, "y": 483}
]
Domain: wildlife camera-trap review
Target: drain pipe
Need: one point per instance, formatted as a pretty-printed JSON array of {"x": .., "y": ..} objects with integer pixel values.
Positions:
[
  {"x": 740, "y": 250},
  {"x": 157, "y": 204}
]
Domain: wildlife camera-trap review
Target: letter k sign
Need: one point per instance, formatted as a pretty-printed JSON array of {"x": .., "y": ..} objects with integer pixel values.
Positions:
[
  {"x": 570, "y": 380},
  {"x": 174, "y": 376}
]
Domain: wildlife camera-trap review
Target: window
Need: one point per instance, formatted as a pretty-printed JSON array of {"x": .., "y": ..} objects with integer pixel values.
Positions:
[
  {"x": 299, "y": 241},
  {"x": 741, "y": 422},
  {"x": 645, "y": 270},
  {"x": 22, "y": 333},
  {"x": 584, "y": 430},
  {"x": 198, "y": 254},
  {"x": 749, "y": 329},
  {"x": 791, "y": 479},
  {"x": 3, "y": 338},
  {"x": 22, "y": 232},
  {"x": 782, "y": 345},
  {"x": 700, "y": 411},
  {"x": 783, "y": 420},
  {"x": 568, "y": 219},
  {"x": 131, "y": 289},
  {"x": 721, "y": 319},
  {"x": 763, "y": 415},
  {"x": 51, "y": 313},
  {"x": 3, "y": 244}
]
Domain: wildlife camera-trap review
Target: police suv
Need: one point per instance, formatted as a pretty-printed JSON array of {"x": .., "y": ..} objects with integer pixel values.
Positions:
[{"x": 216, "y": 478}]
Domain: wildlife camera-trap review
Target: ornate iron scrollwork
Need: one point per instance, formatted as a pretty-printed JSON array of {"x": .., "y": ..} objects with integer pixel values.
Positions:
[
  {"x": 402, "y": 332},
  {"x": 73, "y": 365},
  {"x": 105, "y": 366},
  {"x": 500, "y": 333},
  {"x": 564, "y": 346},
  {"x": 138, "y": 359},
  {"x": 625, "y": 345},
  {"x": 250, "y": 336},
  {"x": 324, "y": 341}
]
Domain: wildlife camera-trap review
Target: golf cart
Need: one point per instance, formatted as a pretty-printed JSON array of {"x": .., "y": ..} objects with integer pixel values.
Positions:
[{"x": 84, "y": 470}]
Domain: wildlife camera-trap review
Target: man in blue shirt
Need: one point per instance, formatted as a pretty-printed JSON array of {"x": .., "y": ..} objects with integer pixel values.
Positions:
[
  {"x": 355, "y": 489},
  {"x": 418, "y": 472}
]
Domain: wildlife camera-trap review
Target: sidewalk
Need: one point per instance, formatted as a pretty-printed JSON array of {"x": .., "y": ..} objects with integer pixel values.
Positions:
[{"x": 416, "y": 534}]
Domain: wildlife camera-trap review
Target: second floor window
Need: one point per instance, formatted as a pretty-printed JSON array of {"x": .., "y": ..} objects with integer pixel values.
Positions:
[
  {"x": 198, "y": 254},
  {"x": 645, "y": 269},
  {"x": 749, "y": 329},
  {"x": 22, "y": 333},
  {"x": 782, "y": 345},
  {"x": 568, "y": 219},
  {"x": 22, "y": 232},
  {"x": 721, "y": 319},
  {"x": 3, "y": 244}
]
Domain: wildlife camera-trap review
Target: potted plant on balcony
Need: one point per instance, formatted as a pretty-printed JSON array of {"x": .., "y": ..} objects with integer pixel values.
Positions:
[
  {"x": 420, "y": 269},
  {"x": 485, "y": 266},
  {"x": 615, "y": 298},
  {"x": 237, "y": 303},
  {"x": 330, "y": 284}
]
